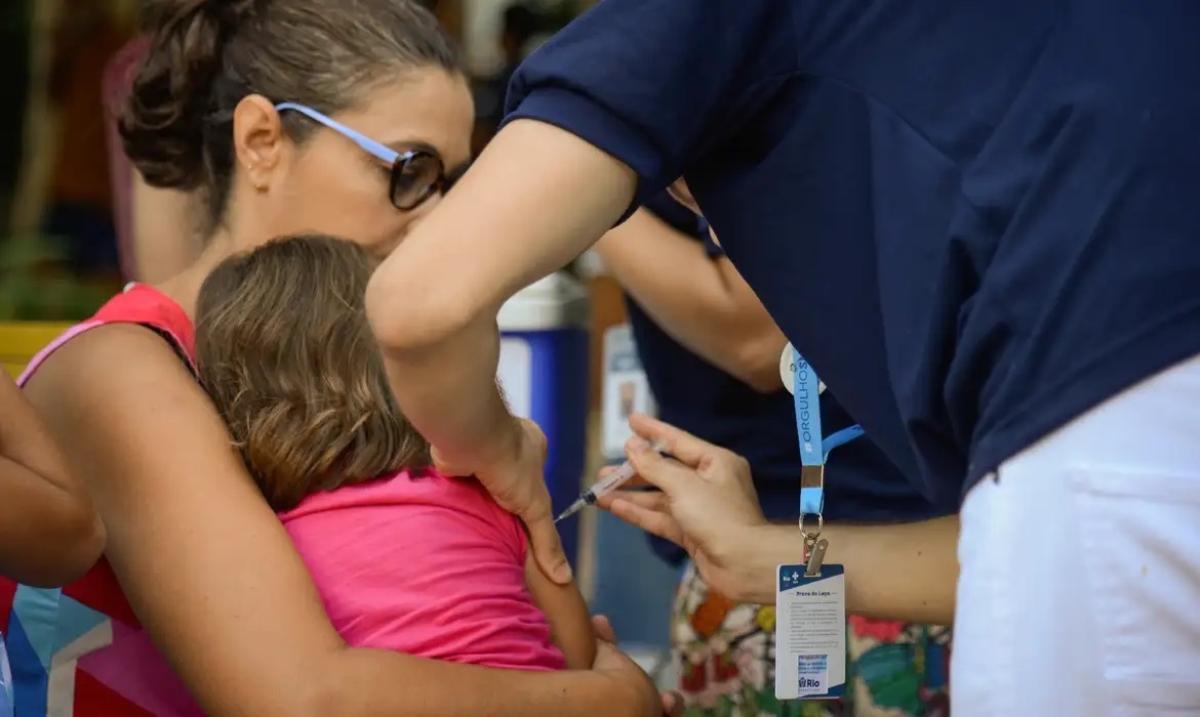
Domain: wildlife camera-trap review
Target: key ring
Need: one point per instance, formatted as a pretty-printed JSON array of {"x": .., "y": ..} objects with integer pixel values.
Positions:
[{"x": 810, "y": 538}]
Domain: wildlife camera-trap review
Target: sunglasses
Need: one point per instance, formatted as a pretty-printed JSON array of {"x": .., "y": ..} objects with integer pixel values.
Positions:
[{"x": 416, "y": 174}]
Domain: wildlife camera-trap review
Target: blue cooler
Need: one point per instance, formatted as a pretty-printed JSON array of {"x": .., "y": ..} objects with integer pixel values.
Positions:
[{"x": 544, "y": 373}]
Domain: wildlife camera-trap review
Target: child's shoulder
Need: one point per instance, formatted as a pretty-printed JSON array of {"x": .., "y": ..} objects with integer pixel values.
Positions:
[{"x": 426, "y": 489}]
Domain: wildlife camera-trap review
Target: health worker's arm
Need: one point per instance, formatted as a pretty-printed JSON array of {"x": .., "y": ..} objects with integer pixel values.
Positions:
[
  {"x": 700, "y": 300},
  {"x": 617, "y": 102},
  {"x": 708, "y": 505}
]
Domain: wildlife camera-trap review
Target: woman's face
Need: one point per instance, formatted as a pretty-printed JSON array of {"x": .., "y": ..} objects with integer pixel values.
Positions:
[{"x": 330, "y": 185}]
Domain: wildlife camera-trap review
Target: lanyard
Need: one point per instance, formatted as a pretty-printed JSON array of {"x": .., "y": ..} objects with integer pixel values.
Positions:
[{"x": 814, "y": 446}]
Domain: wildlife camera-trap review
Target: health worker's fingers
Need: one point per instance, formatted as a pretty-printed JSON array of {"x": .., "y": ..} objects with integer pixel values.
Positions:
[
  {"x": 546, "y": 542},
  {"x": 663, "y": 473},
  {"x": 678, "y": 443},
  {"x": 650, "y": 500},
  {"x": 652, "y": 521}
]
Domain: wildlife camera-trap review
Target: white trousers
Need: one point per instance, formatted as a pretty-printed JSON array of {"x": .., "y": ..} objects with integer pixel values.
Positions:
[{"x": 1079, "y": 592}]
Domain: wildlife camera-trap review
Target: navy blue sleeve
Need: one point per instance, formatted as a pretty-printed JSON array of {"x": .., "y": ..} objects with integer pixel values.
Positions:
[
  {"x": 714, "y": 250},
  {"x": 655, "y": 83},
  {"x": 683, "y": 220}
]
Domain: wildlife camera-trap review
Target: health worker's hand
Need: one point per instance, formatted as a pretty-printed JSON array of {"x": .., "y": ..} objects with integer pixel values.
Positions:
[
  {"x": 707, "y": 502},
  {"x": 514, "y": 474}
]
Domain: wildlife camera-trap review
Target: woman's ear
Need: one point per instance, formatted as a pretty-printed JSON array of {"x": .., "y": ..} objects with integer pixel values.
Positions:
[{"x": 258, "y": 140}]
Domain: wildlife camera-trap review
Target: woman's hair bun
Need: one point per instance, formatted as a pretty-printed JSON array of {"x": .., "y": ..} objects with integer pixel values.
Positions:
[{"x": 162, "y": 124}]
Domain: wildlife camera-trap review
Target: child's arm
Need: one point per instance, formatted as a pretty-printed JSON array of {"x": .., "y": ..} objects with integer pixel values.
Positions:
[
  {"x": 49, "y": 532},
  {"x": 570, "y": 624}
]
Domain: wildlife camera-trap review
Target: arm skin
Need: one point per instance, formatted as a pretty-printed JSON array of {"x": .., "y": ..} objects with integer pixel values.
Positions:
[
  {"x": 212, "y": 574},
  {"x": 507, "y": 223},
  {"x": 901, "y": 571},
  {"x": 570, "y": 621},
  {"x": 49, "y": 532},
  {"x": 701, "y": 302}
]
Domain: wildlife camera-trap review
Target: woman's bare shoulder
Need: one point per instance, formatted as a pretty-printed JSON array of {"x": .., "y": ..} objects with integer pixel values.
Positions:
[
  {"x": 115, "y": 360},
  {"x": 122, "y": 389}
]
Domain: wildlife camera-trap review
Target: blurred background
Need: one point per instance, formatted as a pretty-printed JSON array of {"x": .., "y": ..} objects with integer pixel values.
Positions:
[
  {"x": 60, "y": 253},
  {"x": 65, "y": 246}
]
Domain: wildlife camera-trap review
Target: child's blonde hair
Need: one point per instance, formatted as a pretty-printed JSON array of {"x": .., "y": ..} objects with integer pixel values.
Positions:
[{"x": 284, "y": 349}]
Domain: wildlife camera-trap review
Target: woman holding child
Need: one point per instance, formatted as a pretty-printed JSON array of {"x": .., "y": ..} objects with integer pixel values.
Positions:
[{"x": 203, "y": 604}]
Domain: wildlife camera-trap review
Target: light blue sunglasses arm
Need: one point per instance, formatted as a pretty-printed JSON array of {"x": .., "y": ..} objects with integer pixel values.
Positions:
[{"x": 383, "y": 152}]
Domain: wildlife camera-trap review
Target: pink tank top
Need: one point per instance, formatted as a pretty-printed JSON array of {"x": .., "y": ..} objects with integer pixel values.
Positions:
[{"x": 425, "y": 565}]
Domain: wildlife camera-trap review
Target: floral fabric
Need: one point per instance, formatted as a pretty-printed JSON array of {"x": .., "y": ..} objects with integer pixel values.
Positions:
[{"x": 725, "y": 655}]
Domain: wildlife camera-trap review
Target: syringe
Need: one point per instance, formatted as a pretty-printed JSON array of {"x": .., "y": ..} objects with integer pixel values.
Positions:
[{"x": 604, "y": 486}]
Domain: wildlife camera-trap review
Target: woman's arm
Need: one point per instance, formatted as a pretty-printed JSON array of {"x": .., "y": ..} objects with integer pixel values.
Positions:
[
  {"x": 440, "y": 337},
  {"x": 49, "y": 532},
  {"x": 897, "y": 571},
  {"x": 903, "y": 571},
  {"x": 212, "y": 575},
  {"x": 701, "y": 301},
  {"x": 570, "y": 621}
]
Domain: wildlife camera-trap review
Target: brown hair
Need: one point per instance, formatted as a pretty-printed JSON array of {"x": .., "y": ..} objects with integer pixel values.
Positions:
[
  {"x": 284, "y": 349},
  {"x": 207, "y": 55}
]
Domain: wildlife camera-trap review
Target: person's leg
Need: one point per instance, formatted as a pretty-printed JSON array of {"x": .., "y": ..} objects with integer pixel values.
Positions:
[{"x": 1079, "y": 591}]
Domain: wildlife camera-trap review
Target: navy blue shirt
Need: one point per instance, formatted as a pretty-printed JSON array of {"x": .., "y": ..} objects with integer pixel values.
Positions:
[
  {"x": 975, "y": 218},
  {"x": 700, "y": 398}
]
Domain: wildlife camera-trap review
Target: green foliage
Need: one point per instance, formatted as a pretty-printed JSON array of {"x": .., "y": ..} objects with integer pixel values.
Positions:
[{"x": 37, "y": 284}]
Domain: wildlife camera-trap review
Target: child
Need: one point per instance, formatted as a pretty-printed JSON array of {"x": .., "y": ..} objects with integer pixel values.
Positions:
[{"x": 404, "y": 558}]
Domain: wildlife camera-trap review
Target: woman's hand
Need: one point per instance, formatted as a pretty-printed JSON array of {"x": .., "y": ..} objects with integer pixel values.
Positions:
[
  {"x": 707, "y": 505},
  {"x": 514, "y": 475},
  {"x": 612, "y": 661}
]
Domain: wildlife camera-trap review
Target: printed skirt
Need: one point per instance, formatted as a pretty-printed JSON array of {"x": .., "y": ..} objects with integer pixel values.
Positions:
[{"x": 725, "y": 654}]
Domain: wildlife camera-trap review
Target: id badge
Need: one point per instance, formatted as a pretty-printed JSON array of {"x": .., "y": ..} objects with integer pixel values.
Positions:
[
  {"x": 626, "y": 391},
  {"x": 810, "y": 633}
]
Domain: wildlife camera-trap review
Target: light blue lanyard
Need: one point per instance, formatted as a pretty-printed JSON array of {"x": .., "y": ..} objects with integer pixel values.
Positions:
[{"x": 814, "y": 448}]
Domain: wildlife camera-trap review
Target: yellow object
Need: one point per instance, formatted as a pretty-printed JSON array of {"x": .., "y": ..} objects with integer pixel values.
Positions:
[{"x": 20, "y": 342}]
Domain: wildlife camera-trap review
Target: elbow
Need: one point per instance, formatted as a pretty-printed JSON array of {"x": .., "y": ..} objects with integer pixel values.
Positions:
[
  {"x": 70, "y": 551},
  {"x": 756, "y": 364},
  {"x": 407, "y": 316},
  {"x": 763, "y": 379}
]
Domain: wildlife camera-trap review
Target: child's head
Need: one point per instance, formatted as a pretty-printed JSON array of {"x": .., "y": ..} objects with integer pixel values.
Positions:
[{"x": 284, "y": 349}]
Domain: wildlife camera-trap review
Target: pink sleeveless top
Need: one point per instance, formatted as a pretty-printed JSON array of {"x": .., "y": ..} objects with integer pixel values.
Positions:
[{"x": 80, "y": 651}]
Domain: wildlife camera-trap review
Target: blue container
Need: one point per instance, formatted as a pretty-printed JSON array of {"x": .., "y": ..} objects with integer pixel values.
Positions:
[{"x": 544, "y": 374}]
